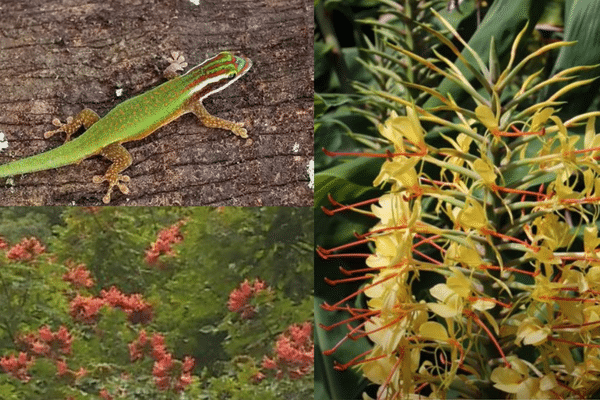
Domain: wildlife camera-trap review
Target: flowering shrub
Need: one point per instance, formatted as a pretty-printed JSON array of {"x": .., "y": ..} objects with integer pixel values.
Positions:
[
  {"x": 72, "y": 328},
  {"x": 136, "y": 308},
  {"x": 500, "y": 219}
]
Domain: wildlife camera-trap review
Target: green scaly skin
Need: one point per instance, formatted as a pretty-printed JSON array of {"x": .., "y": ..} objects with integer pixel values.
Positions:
[{"x": 138, "y": 117}]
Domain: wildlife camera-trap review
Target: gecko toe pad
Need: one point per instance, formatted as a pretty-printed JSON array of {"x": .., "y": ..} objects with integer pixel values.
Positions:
[{"x": 118, "y": 181}]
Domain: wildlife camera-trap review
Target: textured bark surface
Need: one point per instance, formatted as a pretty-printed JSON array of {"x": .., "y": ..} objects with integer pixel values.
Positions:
[{"x": 60, "y": 56}]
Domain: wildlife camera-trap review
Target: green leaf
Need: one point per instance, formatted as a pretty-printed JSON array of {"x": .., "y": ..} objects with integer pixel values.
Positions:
[
  {"x": 503, "y": 21},
  {"x": 348, "y": 181},
  {"x": 582, "y": 26}
]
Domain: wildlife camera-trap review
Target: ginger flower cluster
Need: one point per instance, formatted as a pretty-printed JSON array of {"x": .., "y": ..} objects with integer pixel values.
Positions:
[{"x": 484, "y": 274}]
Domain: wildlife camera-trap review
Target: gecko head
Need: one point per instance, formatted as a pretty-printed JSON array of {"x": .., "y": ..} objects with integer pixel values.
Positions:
[
  {"x": 216, "y": 73},
  {"x": 227, "y": 66}
]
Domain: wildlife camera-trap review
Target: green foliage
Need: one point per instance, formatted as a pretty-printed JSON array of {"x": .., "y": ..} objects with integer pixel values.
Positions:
[
  {"x": 233, "y": 385},
  {"x": 112, "y": 241},
  {"x": 20, "y": 222}
]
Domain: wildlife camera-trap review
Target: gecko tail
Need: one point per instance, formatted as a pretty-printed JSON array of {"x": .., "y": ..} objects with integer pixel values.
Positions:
[{"x": 55, "y": 158}]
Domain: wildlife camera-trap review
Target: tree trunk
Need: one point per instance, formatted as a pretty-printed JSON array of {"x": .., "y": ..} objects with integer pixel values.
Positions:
[{"x": 59, "y": 56}]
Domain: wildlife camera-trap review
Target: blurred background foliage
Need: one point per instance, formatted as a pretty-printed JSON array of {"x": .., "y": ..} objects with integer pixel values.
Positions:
[
  {"x": 359, "y": 73},
  {"x": 188, "y": 289}
]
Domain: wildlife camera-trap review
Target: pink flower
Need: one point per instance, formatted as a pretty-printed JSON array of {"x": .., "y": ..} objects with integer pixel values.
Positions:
[
  {"x": 188, "y": 364},
  {"x": 104, "y": 395},
  {"x": 61, "y": 368}
]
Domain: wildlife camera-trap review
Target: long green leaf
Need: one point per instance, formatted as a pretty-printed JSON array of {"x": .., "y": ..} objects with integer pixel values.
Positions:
[{"x": 503, "y": 21}]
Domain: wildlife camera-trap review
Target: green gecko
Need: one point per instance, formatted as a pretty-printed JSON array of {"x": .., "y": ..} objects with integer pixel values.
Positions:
[{"x": 137, "y": 118}]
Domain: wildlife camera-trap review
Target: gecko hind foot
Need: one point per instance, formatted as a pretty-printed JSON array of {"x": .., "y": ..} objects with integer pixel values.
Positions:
[
  {"x": 61, "y": 128},
  {"x": 117, "y": 180}
]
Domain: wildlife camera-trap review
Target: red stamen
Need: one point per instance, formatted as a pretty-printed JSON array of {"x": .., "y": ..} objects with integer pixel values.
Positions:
[
  {"x": 342, "y": 247},
  {"x": 518, "y": 133},
  {"x": 553, "y": 339},
  {"x": 395, "y": 321},
  {"x": 359, "y": 291},
  {"x": 429, "y": 240},
  {"x": 575, "y": 326},
  {"x": 497, "y": 268},
  {"x": 365, "y": 315},
  {"x": 497, "y": 188},
  {"x": 487, "y": 231},
  {"x": 376, "y": 231},
  {"x": 345, "y": 255},
  {"x": 425, "y": 256},
  {"x": 489, "y": 333},
  {"x": 578, "y": 258},
  {"x": 342, "y": 367},
  {"x": 585, "y": 150},
  {"x": 345, "y": 207},
  {"x": 585, "y": 200},
  {"x": 368, "y": 270},
  {"x": 333, "y": 282},
  {"x": 401, "y": 356},
  {"x": 569, "y": 299},
  {"x": 437, "y": 183},
  {"x": 423, "y": 386}
]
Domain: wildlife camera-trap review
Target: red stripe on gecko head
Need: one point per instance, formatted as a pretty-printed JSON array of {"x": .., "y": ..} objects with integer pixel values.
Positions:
[{"x": 211, "y": 69}]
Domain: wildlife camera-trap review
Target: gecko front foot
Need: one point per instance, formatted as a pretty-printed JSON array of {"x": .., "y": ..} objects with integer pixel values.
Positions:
[
  {"x": 215, "y": 122},
  {"x": 85, "y": 118},
  {"x": 238, "y": 129},
  {"x": 61, "y": 128},
  {"x": 114, "y": 180}
]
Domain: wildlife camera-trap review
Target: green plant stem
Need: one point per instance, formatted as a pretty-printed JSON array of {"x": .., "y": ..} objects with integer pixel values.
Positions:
[{"x": 330, "y": 37}]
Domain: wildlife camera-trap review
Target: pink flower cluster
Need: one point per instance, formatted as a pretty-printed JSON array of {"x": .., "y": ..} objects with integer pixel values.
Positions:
[
  {"x": 44, "y": 343},
  {"x": 79, "y": 276},
  {"x": 25, "y": 250},
  {"x": 166, "y": 238},
  {"x": 295, "y": 353},
  {"x": 137, "y": 310},
  {"x": 169, "y": 374},
  {"x": 17, "y": 366},
  {"x": 86, "y": 309},
  {"x": 48, "y": 344},
  {"x": 239, "y": 298}
]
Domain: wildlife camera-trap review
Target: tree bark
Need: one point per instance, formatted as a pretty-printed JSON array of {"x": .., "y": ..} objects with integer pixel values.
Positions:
[{"x": 60, "y": 56}]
